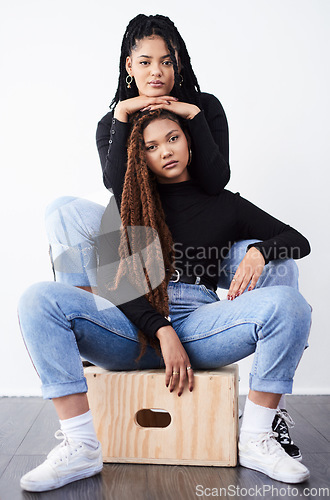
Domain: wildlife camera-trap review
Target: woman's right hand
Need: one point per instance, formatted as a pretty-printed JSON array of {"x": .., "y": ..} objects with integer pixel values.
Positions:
[
  {"x": 175, "y": 359},
  {"x": 130, "y": 106}
]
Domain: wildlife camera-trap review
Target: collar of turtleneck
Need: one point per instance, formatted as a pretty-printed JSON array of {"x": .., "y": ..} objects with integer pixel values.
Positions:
[{"x": 177, "y": 187}]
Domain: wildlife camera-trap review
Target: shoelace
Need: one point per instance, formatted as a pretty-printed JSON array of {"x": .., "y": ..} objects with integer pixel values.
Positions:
[
  {"x": 284, "y": 421},
  {"x": 284, "y": 415},
  {"x": 270, "y": 445},
  {"x": 63, "y": 450}
]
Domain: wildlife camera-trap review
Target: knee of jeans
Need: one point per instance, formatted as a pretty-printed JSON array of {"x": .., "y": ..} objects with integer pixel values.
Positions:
[
  {"x": 33, "y": 300},
  {"x": 58, "y": 203},
  {"x": 57, "y": 218},
  {"x": 293, "y": 306},
  {"x": 53, "y": 214},
  {"x": 287, "y": 272}
]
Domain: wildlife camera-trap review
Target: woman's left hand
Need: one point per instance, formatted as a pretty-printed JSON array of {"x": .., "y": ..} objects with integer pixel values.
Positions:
[
  {"x": 249, "y": 269},
  {"x": 183, "y": 109}
]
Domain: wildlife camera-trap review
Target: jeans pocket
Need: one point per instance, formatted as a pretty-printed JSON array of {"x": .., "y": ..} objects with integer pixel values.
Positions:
[{"x": 209, "y": 292}]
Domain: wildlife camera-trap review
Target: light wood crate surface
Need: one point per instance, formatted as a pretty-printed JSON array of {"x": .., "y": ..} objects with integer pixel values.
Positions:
[{"x": 202, "y": 426}]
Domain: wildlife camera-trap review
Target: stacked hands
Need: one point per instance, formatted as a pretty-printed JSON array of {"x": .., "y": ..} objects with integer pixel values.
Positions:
[{"x": 145, "y": 103}]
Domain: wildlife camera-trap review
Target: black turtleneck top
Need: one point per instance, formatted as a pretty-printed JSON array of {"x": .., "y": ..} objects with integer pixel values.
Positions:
[{"x": 203, "y": 227}]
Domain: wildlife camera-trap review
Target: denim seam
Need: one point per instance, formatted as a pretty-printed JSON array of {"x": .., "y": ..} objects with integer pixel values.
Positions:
[
  {"x": 274, "y": 379},
  {"x": 255, "y": 360},
  {"x": 65, "y": 383},
  {"x": 80, "y": 386},
  {"x": 214, "y": 332},
  {"x": 285, "y": 380},
  {"x": 75, "y": 341},
  {"x": 207, "y": 291},
  {"x": 82, "y": 316},
  {"x": 79, "y": 356},
  {"x": 260, "y": 334}
]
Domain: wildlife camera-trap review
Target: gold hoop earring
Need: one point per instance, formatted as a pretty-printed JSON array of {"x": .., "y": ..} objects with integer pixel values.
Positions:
[
  {"x": 190, "y": 157},
  {"x": 181, "y": 81},
  {"x": 128, "y": 82}
]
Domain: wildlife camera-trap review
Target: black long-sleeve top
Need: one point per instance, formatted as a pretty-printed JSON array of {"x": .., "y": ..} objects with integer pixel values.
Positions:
[
  {"x": 210, "y": 148},
  {"x": 203, "y": 227}
]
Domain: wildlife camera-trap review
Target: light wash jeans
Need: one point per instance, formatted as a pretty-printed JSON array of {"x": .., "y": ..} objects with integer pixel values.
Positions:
[{"x": 60, "y": 323}]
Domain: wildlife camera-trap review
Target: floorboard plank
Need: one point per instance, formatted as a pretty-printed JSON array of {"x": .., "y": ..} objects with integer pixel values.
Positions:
[
  {"x": 4, "y": 461},
  {"x": 309, "y": 400},
  {"x": 124, "y": 481},
  {"x": 17, "y": 416},
  {"x": 319, "y": 466},
  {"x": 317, "y": 415},
  {"x": 304, "y": 434},
  {"x": 40, "y": 437}
]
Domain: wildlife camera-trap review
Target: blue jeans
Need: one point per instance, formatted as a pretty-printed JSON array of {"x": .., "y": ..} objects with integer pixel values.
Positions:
[{"x": 60, "y": 323}]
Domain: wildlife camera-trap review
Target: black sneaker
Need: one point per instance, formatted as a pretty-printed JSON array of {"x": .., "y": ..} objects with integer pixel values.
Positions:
[{"x": 281, "y": 423}]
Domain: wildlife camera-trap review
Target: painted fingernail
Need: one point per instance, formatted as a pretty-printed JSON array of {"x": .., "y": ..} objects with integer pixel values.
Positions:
[
  {"x": 179, "y": 394},
  {"x": 190, "y": 389},
  {"x": 166, "y": 385},
  {"x": 171, "y": 390}
]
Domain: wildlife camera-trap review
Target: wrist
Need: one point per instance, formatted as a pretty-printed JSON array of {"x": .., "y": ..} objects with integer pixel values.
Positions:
[
  {"x": 120, "y": 114},
  {"x": 257, "y": 252},
  {"x": 195, "y": 110},
  {"x": 163, "y": 331}
]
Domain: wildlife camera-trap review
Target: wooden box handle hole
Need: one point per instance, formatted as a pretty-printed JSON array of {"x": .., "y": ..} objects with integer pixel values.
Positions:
[{"x": 152, "y": 417}]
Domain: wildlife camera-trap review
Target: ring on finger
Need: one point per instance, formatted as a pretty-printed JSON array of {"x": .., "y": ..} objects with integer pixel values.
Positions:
[
  {"x": 234, "y": 279},
  {"x": 188, "y": 368},
  {"x": 175, "y": 373}
]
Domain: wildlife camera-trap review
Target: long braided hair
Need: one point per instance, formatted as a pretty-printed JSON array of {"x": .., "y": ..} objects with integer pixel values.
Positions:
[
  {"x": 143, "y": 220},
  {"x": 186, "y": 89}
]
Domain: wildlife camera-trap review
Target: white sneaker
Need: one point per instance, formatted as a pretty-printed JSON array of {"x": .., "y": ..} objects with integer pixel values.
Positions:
[
  {"x": 265, "y": 454},
  {"x": 67, "y": 462}
]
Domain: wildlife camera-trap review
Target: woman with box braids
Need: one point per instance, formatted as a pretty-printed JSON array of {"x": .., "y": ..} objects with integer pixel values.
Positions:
[
  {"x": 155, "y": 72},
  {"x": 186, "y": 86}
]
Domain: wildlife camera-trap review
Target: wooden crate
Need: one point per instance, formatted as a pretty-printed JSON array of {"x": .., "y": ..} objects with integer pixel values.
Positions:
[{"x": 203, "y": 424}]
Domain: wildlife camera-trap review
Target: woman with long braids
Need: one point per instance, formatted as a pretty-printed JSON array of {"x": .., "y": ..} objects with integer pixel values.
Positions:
[
  {"x": 128, "y": 332},
  {"x": 179, "y": 322},
  {"x": 155, "y": 72}
]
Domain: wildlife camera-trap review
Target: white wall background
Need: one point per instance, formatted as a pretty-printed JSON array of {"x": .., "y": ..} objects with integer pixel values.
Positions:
[{"x": 268, "y": 63}]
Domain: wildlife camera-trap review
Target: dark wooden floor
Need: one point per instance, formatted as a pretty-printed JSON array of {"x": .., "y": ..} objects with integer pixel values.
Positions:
[{"x": 27, "y": 427}]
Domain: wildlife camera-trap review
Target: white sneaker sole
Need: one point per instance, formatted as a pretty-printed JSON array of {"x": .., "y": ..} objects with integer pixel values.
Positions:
[
  {"x": 62, "y": 481},
  {"x": 297, "y": 478}
]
